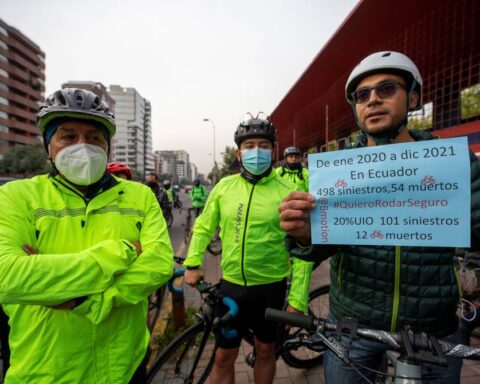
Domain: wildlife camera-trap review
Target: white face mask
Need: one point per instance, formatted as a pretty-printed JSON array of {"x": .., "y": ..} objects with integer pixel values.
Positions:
[{"x": 81, "y": 164}]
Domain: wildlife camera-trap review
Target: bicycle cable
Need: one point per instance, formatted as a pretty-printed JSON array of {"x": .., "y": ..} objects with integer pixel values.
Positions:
[{"x": 432, "y": 376}]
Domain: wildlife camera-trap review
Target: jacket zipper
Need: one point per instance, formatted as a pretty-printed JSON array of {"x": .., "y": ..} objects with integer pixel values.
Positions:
[
  {"x": 244, "y": 236},
  {"x": 339, "y": 272},
  {"x": 459, "y": 285},
  {"x": 396, "y": 290}
]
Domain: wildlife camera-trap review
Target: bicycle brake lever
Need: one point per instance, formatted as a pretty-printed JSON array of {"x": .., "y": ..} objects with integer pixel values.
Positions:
[{"x": 335, "y": 346}]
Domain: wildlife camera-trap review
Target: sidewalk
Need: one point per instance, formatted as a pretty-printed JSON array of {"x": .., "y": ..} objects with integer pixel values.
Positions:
[{"x": 284, "y": 373}]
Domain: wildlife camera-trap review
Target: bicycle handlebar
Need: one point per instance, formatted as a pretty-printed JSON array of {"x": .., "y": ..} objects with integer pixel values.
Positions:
[
  {"x": 419, "y": 346},
  {"x": 171, "y": 287},
  {"x": 204, "y": 287}
]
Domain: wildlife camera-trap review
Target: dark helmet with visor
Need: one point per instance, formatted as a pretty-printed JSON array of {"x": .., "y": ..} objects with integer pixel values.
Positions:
[{"x": 255, "y": 128}]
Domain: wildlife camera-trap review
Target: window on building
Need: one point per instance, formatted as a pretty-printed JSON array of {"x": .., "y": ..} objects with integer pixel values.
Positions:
[
  {"x": 3, "y": 73},
  {"x": 3, "y": 31},
  {"x": 3, "y": 86},
  {"x": 3, "y": 100},
  {"x": 3, "y": 115},
  {"x": 3, "y": 129},
  {"x": 422, "y": 119},
  {"x": 3, "y": 45},
  {"x": 3, "y": 58},
  {"x": 470, "y": 101}
]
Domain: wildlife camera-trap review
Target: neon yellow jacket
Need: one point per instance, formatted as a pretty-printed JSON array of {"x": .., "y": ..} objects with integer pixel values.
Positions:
[
  {"x": 253, "y": 250},
  {"x": 198, "y": 196},
  {"x": 292, "y": 175},
  {"x": 85, "y": 251}
]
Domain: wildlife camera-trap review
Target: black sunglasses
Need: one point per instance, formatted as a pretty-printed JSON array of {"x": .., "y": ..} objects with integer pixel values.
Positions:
[{"x": 383, "y": 90}]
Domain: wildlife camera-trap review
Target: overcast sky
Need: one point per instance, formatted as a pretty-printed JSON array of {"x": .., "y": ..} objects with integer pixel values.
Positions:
[{"x": 193, "y": 59}]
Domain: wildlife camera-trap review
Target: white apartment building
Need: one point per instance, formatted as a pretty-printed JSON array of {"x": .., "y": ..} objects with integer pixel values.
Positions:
[{"x": 133, "y": 140}]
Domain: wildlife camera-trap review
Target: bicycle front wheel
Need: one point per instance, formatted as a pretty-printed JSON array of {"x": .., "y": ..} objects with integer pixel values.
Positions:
[
  {"x": 304, "y": 357},
  {"x": 155, "y": 301},
  {"x": 187, "y": 359}
]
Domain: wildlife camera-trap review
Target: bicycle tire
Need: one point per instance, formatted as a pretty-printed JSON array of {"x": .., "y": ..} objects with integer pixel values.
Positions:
[
  {"x": 304, "y": 357},
  {"x": 155, "y": 301},
  {"x": 176, "y": 363},
  {"x": 170, "y": 220},
  {"x": 188, "y": 227},
  {"x": 215, "y": 247}
]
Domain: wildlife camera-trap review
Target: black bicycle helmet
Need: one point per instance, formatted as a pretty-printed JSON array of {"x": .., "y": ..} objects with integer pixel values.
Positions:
[
  {"x": 254, "y": 128},
  {"x": 291, "y": 151},
  {"x": 77, "y": 104}
]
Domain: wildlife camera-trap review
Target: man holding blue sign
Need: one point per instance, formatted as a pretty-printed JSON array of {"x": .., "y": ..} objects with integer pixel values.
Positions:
[{"x": 383, "y": 286}]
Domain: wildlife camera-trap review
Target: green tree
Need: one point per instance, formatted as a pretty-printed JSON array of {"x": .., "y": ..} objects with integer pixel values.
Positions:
[
  {"x": 25, "y": 161},
  {"x": 229, "y": 158},
  {"x": 470, "y": 102}
]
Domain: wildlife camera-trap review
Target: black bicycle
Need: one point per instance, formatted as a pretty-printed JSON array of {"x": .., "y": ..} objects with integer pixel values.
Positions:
[
  {"x": 188, "y": 226},
  {"x": 215, "y": 246},
  {"x": 190, "y": 357},
  {"x": 155, "y": 301},
  {"x": 168, "y": 215},
  {"x": 413, "y": 348}
]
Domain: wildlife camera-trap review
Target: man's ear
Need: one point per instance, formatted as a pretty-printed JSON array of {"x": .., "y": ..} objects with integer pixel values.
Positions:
[{"x": 239, "y": 155}]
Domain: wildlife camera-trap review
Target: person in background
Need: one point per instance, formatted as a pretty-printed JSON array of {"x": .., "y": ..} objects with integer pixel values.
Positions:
[
  {"x": 160, "y": 193},
  {"x": 198, "y": 196},
  {"x": 292, "y": 168},
  {"x": 80, "y": 252},
  {"x": 255, "y": 263},
  {"x": 167, "y": 186},
  {"x": 120, "y": 169}
]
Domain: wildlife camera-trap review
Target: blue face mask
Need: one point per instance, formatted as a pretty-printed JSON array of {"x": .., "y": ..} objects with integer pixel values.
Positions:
[{"x": 257, "y": 160}]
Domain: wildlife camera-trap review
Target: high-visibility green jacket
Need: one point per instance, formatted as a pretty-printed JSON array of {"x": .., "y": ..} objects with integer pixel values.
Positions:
[
  {"x": 170, "y": 195},
  {"x": 299, "y": 177},
  {"x": 253, "y": 247},
  {"x": 85, "y": 251},
  {"x": 198, "y": 196}
]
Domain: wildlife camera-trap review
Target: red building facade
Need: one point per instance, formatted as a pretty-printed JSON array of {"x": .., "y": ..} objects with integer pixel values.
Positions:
[{"x": 441, "y": 36}]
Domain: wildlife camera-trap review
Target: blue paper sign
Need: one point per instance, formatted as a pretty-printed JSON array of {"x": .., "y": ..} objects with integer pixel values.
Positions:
[{"x": 410, "y": 194}]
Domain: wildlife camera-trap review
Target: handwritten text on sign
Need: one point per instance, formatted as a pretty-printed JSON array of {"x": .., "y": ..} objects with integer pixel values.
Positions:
[{"x": 412, "y": 194}]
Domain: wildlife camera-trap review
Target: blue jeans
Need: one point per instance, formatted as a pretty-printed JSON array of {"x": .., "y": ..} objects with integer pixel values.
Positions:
[{"x": 370, "y": 353}]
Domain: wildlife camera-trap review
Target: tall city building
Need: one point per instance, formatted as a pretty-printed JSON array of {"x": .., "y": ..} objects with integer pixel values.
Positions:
[
  {"x": 166, "y": 163},
  {"x": 182, "y": 168},
  {"x": 22, "y": 87},
  {"x": 133, "y": 140},
  {"x": 176, "y": 164}
]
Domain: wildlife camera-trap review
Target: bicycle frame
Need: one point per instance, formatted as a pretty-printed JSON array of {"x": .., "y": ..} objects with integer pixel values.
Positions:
[{"x": 405, "y": 372}]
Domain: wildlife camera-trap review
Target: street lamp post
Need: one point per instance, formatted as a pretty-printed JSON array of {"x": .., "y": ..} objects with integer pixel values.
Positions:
[{"x": 214, "y": 161}]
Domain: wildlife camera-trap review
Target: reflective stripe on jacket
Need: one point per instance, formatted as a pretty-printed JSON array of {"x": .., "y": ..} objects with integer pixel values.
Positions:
[
  {"x": 85, "y": 251},
  {"x": 252, "y": 241}
]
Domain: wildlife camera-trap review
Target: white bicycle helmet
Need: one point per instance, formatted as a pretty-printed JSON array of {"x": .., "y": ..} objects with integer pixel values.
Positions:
[{"x": 386, "y": 62}]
